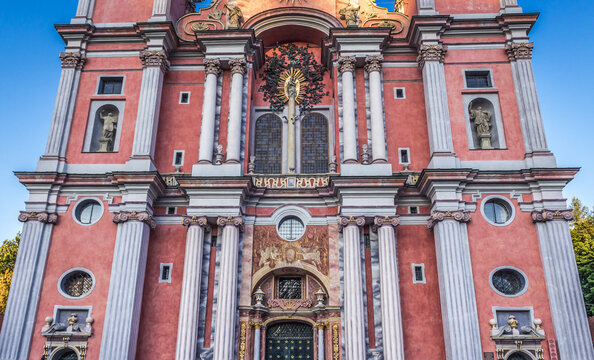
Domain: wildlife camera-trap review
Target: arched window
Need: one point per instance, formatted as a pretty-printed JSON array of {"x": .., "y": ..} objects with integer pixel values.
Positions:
[
  {"x": 314, "y": 144},
  {"x": 268, "y": 140},
  {"x": 105, "y": 129},
  {"x": 518, "y": 356},
  {"x": 66, "y": 354}
]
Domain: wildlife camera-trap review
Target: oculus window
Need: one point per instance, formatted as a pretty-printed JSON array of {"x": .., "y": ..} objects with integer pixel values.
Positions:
[
  {"x": 88, "y": 212},
  {"x": 497, "y": 211},
  {"x": 291, "y": 228},
  {"x": 77, "y": 283},
  {"x": 509, "y": 282}
]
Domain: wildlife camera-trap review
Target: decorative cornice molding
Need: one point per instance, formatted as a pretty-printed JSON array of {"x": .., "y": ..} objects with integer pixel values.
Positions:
[
  {"x": 519, "y": 51},
  {"x": 345, "y": 221},
  {"x": 195, "y": 220},
  {"x": 431, "y": 53},
  {"x": 213, "y": 66},
  {"x": 550, "y": 215},
  {"x": 238, "y": 66},
  {"x": 143, "y": 216},
  {"x": 374, "y": 63},
  {"x": 380, "y": 221},
  {"x": 346, "y": 64},
  {"x": 231, "y": 221},
  {"x": 155, "y": 58},
  {"x": 43, "y": 217},
  {"x": 439, "y": 216},
  {"x": 73, "y": 60}
]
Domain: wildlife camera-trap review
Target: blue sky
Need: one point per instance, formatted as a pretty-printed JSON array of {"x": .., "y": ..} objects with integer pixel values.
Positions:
[{"x": 30, "y": 71}]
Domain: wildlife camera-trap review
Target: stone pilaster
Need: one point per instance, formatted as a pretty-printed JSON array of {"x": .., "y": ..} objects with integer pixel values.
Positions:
[
  {"x": 373, "y": 66},
  {"x": 207, "y": 131},
  {"x": 154, "y": 64},
  {"x": 238, "y": 70},
  {"x": 431, "y": 59},
  {"x": 458, "y": 300},
  {"x": 161, "y": 10},
  {"x": 346, "y": 67},
  {"x": 390, "y": 287},
  {"x": 122, "y": 313},
  {"x": 509, "y": 7},
  {"x": 226, "y": 318},
  {"x": 426, "y": 7},
  {"x": 563, "y": 284},
  {"x": 25, "y": 289},
  {"x": 187, "y": 330},
  {"x": 84, "y": 12},
  {"x": 354, "y": 316}
]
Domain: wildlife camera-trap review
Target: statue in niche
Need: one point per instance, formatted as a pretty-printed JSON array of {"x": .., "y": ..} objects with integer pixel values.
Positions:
[
  {"x": 235, "y": 16},
  {"x": 350, "y": 14},
  {"x": 110, "y": 127},
  {"x": 482, "y": 120}
]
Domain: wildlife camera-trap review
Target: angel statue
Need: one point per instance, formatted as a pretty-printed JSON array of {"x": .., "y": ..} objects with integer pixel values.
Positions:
[
  {"x": 350, "y": 14},
  {"x": 235, "y": 16}
]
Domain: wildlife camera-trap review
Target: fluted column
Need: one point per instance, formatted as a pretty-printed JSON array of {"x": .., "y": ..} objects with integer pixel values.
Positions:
[
  {"x": 238, "y": 69},
  {"x": 209, "y": 107},
  {"x": 563, "y": 284},
  {"x": 509, "y": 6},
  {"x": 154, "y": 64},
  {"x": 390, "y": 287},
  {"x": 354, "y": 312},
  {"x": 257, "y": 339},
  {"x": 84, "y": 12},
  {"x": 426, "y": 7},
  {"x": 376, "y": 106},
  {"x": 161, "y": 9},
  {"x": 187, "y": 329},
  {"x": 321, "y": 350},
  {"x": 72, "y": 64},
  {"x": 456, "y": 286},
  {"x": 346, "y": 66},
  {"x": 122, "y": 313},
  {"x": 224, "y": 337},
  {"x": 25, "y": 289},
  {"x": 520, "y": 56},
  {"x": 431, "y": 58}
]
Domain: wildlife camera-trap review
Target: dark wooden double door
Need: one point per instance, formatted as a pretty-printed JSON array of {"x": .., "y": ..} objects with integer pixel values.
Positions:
[{"x": 291, "y": 341}]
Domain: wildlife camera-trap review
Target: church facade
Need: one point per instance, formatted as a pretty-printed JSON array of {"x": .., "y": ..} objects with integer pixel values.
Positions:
[{"x": 296, "y": 179}]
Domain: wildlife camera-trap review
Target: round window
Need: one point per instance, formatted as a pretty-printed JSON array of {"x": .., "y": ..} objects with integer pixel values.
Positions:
[
  {"x": 497, "y": 211},
  {"x": 88, "y": 212},
  {"x": 291, "y": 228},
  {"x": 509, "y": 282},
  {"x": 76, "y": 284}
]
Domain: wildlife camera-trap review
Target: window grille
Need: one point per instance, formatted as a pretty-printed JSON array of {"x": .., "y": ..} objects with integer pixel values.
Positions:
[
  {"x": 110, "y": 85},
  {"x": 68, "y": 355},
  {"x": 314, "y": 144},
  {"x": 77, "y": 283},
  {"x": 291, "y": 228},
  {"x": 509, "y": 281},
  {"x": 478, "y": 79},
  {"x": 289, "y": 288},
  {"x": 268, "y": 150}
]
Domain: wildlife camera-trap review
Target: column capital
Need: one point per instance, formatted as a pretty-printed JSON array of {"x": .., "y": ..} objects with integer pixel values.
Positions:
[
  {"x": 142, "y": 216},
  {"x": 154, "y": 58},
  {"x": 213, "y": 66},
  {"x": 380, "y": 221},
  {"x": 373, "y": 63},
  {"x": 196, "y": 220},
  {"x": 550, "y": 215},
  {"x": 256, "y": 325},
  {"x": 43, "y": 217},
  {"x": 346, "y": 64},
  {"x": 231, "y": 221},
  {"x": 435, "y": 52},
  {"x": 519, "y": 51},
  {"x": 321, "y": 325},
  {"x": 439, "y": 216},
  {"x": 345, "y": 221},
  {"x": 238, "y": 66},
  {"x": 73, "y": 60}
]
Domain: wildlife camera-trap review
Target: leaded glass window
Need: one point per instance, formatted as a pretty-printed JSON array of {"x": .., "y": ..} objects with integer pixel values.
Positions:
[
  {"x": 268, "y": 144},
  {"x": 290, "y": 288},
  {"x": 291, "y": 228},
  {"x": 314, "y": 144},
  {"x": 509, "y": 281},
  {"x": 77, "y": 283}
]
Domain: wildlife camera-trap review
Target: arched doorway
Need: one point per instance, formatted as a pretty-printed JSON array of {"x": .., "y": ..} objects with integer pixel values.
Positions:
[{"x": 289, "y": 340}]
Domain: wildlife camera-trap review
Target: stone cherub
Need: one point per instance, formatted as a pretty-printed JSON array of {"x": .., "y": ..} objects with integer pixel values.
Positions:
[
  {"x": 350, "y": 14},
  {"x": 235, "y": 16},
  {"x": 482, "y": 121},
  {"x": 110, "y": 126}
]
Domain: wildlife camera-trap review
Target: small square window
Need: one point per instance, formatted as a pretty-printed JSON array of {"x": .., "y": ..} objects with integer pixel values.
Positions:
[
  {"x": 110, "y": 85},
  {"x": 178, "y": 157},
  {"x": 413, "y": 210},
  {"x": 171, "y": 210},
  {"x": 184, "y": 97},
  {"x": 418, "y": 273},
  {"x": 404, "y": 155},
  {"x": 165, "y": 274},
  {"x": 478, "y": 79},
  {"x": 399, "y": 93}
]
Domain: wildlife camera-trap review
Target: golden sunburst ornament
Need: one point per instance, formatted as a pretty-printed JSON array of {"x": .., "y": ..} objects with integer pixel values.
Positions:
[{"x": 291, "y": 80}]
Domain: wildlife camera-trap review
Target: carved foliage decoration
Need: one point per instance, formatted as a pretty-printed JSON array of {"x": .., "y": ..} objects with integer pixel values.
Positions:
[
  {"x": 457, "y": 215},
  {"x": 142, "y": 216},
  {"x": 154, "y": 58},
  {"x": 431, "y": 53},
  {"x": 73, "y": 60},
  {"x": 519, "y": 51}
]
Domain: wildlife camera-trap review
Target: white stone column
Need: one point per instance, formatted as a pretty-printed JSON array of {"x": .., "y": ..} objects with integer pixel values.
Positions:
[
  {"x": 390, "y": 288},
  {"x": 226, "y": 319},
  {"x": 84, "y": 12},
  {"x": 209, "y": 107},
  {"x": 431, "y": 58},
  {"x": 321, "y": 351},
  {"x": 238, "y": 69},
  {"x": 161, "y": 10},
  {"x": 72, "y": 63},
  {"x": 155, "y": 64},
  {"x": 456, "y": 286},
  {"x": 346, "y": 66},
  {"x": 124, "y": 301},
  {"x": 426, "y": 7},
  {"x": 563, "y": 284},
  {"x": 376, "y": 106},
  {"x": 354, "y": 311},
  {"x": 257, "y": 340},
  {"x": 25, "y": 290},
  {"x": 189, "y": 308}
]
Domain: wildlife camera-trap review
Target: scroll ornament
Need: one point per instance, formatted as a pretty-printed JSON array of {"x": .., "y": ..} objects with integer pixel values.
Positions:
[
  {"x": 550, "y": 215},
  {"x": 43, "y": 217},
  {"x": 457, "y": 215},
  {"x": 143, "y": 216}
]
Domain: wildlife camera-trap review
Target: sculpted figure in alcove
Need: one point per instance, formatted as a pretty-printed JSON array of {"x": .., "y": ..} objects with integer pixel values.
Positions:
[
  {"x": 109, "y": 117},
  {"x": 482, "y": 120}
]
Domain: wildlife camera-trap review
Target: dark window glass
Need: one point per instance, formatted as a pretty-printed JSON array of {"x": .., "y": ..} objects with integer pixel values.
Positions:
[
  {"x": 518, "y": 356},
  {"x": 165, "y": 270},
  {"x": 77, "y": 283},
  {"x": 178, "y": 158},
  {"x": 314, "y": 144},
  {"x": 88, "y": 212},
  {"x": 268, "y": 151},
  {"x": 185, "y": 98},
  {"x": 289, "y": 288},
  {"x": 414, "y": 210},
  {"x": 110, "y": 85},
  {"x": 400, "y": 93},
  {"x": 291, "y": 229},
  {"x": 170, "y": 211},
  {"x": 509, "y": 281},
  {"x": 67, "y": 355},
  {"x": 497, "y": 211},
  {"x": 404, "y": 156},
  {"x": 418, "y": 273},
  {"x": 478, "y": 79}
]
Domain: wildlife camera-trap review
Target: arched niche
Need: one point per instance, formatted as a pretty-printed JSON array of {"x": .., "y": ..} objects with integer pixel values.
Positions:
[
  {"x": 487, "y": 106},
  {"x": 104, "y": 127}
]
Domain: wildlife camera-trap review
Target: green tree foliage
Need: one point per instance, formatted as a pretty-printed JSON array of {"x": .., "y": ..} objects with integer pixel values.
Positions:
[
  {"x": 582, "y": 235},
  {"x": 8, "y": 254}
]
